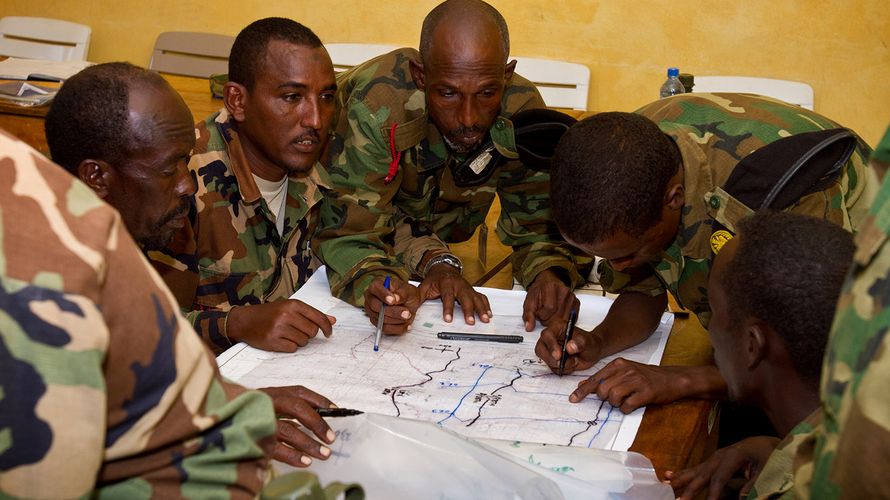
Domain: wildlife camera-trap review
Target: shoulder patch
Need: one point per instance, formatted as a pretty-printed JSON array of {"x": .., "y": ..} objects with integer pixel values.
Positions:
[{"x": 718, "y": 239}]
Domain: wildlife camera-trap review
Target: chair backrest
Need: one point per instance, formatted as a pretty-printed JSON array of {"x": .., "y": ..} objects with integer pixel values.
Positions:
[
  {"x": 42, "y": 38},
  {"x": 561, "y": 84},
  {"x": 191, "y": 53},
  {"x": 347, "y": 55},
  {"x": 791, "y": 92}
]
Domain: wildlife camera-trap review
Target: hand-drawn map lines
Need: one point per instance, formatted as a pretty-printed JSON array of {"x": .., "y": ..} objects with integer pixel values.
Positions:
[{"x": 490, "y": 399}]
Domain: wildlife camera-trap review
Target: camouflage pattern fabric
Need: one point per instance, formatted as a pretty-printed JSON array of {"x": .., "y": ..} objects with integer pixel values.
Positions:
[
  {"x": 714, "y": 132},
  {"x": 776, "y": 479},
  {"x": 371, "y": 228},
  {"x": 105, "y": 390},
  {"x": 230, "y": 253},
  {"x": 849, "y": 455}
]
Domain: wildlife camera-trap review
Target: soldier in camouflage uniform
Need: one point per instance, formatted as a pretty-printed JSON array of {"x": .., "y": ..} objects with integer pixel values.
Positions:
[
  {"x": 623, "y": 197},
  {"x": 104, "y": 387},
  {"x": 246, "y": 249},
  {"x": 132, "y": 150},
  {"x": 772, "y": 333},
  {"x": 849, "y": 454},
  {"x": 407, "y": 120}
]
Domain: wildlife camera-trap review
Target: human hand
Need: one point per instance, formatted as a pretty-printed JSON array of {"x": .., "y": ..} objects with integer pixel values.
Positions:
[
  {"x": 402, "y": 300},
  {"x": 628, "y": 385},
  {"x": 446, "y": 282},
  {"x": 548, "y": 300},
  {"x": 294, "y": 446},
  {"x": 748, "y": 455},
  {"x": 283, "y": 325},
  {"x": 584, "y": 349}
]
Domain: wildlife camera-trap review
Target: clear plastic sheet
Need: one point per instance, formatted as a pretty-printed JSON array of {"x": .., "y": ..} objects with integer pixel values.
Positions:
[{"x": 396, "y": 458}]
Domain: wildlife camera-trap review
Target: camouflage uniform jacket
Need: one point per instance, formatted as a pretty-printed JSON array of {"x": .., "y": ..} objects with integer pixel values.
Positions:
[
  {"x": 714, "y": 132},
  {"x": 372, "y": 227},
  {"x": 776, "y": 479},
  {"x": 230, "y": 253},
  {"x": 104, "y": 387},
  {"x": 850, "y": 454}
]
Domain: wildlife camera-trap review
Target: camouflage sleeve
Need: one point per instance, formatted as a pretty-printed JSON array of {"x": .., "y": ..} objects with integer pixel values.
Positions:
[
  {"x": 776, "y": 479},
  {"x": 103, "y": 385},
  {"x": 641, "y": 279},
  {"x": 178, "y": 266},
  {"x": 413, "y": 239},
  {"x": 357, "y": 229},
  {"x": 851, "y": 449},
  {"x": 859, "y": 186},
  {"x": 526, "y": 224}
]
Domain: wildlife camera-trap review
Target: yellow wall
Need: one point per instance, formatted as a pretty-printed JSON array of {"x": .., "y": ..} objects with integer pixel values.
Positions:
[{"x": 840, "y": 47}]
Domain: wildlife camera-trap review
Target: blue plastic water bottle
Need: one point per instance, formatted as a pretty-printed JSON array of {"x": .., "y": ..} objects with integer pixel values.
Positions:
[{"x": 672, "y": 85}]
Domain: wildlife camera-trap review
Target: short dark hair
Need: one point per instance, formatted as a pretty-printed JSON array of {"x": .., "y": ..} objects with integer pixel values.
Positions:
[
  {"x": 460, "y": 7},
  {"x": 249, "y": 49},
  {"x": 609, "y": 174},
  {"x": 788, "y": 271},
  {"x": 89, "y": 117}
]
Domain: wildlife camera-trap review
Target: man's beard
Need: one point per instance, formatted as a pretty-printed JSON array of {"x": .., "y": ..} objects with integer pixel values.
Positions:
[
  {"x": 463, "y": 131},
  {"x": 161, "y": 236}
]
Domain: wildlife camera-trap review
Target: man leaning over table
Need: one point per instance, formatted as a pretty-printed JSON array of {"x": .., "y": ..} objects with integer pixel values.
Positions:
[
  {"x": 659, "y": 190},
  {"x": 407, "y": 122},
  {"x": 128, "y": 135}
]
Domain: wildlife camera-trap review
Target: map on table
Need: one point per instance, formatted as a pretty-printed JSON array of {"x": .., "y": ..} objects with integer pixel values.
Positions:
[{"x": 478, "y": 389}]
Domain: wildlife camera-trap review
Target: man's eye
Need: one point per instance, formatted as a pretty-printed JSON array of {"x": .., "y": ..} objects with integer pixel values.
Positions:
[
  {"x": 291, "y": 97},
  {"x": 447, "y": 93},
  {"x": 327, "y": 97}
]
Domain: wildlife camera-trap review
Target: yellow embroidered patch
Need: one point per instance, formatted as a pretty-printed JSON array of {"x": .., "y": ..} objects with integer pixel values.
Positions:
[{"x": 718, "y": 239}]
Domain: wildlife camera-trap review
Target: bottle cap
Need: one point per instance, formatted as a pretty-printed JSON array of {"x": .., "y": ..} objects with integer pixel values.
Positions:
[{"x": 673, "y": 71}]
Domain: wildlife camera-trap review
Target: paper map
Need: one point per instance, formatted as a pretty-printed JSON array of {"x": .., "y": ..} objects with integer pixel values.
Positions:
[{"x": 478, "y": 389}]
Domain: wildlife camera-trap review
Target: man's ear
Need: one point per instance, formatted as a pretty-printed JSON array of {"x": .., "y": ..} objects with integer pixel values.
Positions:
[
  {"x": 756, "y": 349},
  {"x": 96, "y": 174},
  {"x": 509, "y": 69},
  {"x": 234, "y": 98},
  {"x": 675, "y": 197},
  {"x": 416, "y": 68}
]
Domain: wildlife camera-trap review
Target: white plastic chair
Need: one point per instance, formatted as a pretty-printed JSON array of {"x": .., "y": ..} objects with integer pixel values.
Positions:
[
  {"x": 43, "y": 38},
  {"x": 798, "y": 93},
  {"x": 561, "y": 84},
  {"x": 347, "y": 55},
  {"x": 191, "y": 53}
]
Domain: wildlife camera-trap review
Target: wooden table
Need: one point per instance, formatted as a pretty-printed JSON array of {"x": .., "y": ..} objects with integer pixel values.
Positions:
[
  {"x": 26, "y": 123},
  {"x": 673, "y": 436}
]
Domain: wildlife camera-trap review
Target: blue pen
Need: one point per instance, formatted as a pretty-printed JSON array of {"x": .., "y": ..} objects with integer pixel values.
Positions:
[{"x": 380, "y": 318}]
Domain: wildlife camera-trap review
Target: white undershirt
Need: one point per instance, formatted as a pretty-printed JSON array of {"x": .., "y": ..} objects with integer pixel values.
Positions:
[{"x": 274, "y": 194}]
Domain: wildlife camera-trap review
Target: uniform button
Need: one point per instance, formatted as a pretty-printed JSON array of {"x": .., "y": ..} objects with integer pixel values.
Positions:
[
  {"x": 715, "y": 202},
  {"x": 499, "y": 124}
]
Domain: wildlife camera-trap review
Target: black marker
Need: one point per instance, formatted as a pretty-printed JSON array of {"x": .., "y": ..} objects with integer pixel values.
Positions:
[
  {"x": 485, "y": 337},
  {"x": 338, "y": 412},
  {"x": 570, "y": 329}
]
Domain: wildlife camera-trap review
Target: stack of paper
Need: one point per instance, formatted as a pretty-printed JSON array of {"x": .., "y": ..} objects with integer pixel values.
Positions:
[{"x": 26, "y": 94}]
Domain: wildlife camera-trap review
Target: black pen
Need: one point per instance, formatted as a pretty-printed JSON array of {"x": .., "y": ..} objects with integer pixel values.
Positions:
[
  {"x": 485, "y": 337},
  {"x": 338, "y": 412},
  {"x": 570, "y": 328}
]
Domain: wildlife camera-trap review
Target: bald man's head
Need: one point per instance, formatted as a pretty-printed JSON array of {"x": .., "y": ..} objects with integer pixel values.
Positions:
[{"x": 473, "y": 20}]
